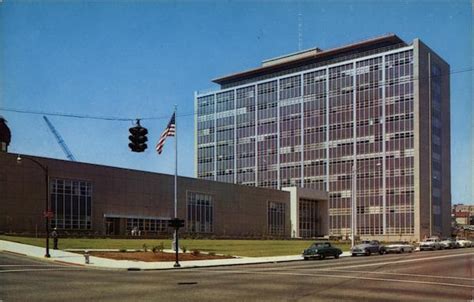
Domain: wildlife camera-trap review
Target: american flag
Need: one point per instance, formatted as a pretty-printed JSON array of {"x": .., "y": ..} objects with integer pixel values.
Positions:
[{"x": 169, "y": 131}]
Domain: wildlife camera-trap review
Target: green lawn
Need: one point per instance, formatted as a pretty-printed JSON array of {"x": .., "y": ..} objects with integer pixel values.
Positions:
[{"x": 245, "y": 248}]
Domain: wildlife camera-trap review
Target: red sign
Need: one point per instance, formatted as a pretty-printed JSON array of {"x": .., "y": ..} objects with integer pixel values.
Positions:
[{"x": 48, "y": 214}]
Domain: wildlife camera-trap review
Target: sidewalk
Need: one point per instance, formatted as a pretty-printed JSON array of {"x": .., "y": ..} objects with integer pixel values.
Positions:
[{"x": 96, "y": 262}]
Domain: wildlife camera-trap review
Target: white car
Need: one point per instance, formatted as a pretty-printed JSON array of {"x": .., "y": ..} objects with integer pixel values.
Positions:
[
  {"x": 431, "y": 244},
  {"x": 464, "y": 243},
  {"x": 449, "y": 243},
  {"x": 399, "y": 247}
]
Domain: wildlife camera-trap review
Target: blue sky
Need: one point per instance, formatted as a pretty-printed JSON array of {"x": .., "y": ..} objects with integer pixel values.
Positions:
[{"x": 132, "y": 59}]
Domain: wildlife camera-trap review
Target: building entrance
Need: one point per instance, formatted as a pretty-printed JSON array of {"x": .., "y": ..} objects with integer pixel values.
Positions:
[{"x": 112, "y": 226}]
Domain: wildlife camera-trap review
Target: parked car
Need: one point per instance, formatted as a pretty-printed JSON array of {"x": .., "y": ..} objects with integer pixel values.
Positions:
[
  {"x": 430, "y": 244},
  {"x": 464, "y": 243},
  {"x": 449, "y": 243},
  {"x": 399, "y": 247},
  {"x": 367, "y": 248},
  {"x": 321, "y": 250}
]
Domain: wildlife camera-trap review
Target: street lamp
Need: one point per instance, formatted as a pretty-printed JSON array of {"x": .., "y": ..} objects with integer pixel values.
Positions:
[
  {"x": 46, "y": 208},
  {"x": 354, "y": 201}
]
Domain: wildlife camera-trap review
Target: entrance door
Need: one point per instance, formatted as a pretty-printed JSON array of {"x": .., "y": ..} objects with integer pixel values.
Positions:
[{"x": 112, "y": 226}]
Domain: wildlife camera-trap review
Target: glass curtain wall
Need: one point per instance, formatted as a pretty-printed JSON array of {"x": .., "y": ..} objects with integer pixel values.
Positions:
[
  {"x": 340, "y": 146},
  {"x": 358, "y": 114},
  {"x": 71, "y": 203},
  {"x": 225, "y": 115},
  {"x": 245, "y": 135},
  {"x": 369, "y": 169},
  {"x": 267, "y": 159},
  {"x": 309, "y": 220},
  {"x": 290, "y": 131},
  {"x": 436, "y": 166},
  {"x": 205, "y": 137},
  {"x": 315, "y": 130},
  {"x": 276, "y": 218},
  {"x": 399, "y": 143},
  {"x": 200, "y": 213}
]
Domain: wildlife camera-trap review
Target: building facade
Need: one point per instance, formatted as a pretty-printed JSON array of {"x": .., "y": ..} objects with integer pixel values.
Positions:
[
  {"x": 371, "y": 117},
  {"x": 100, "y": 200},
  {"x": 463, "y": 214}
]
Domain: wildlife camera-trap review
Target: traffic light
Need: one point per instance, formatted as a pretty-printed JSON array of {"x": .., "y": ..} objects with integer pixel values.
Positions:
[
  {"x": 138, "y": 138},
  {"x": 176, "y": 223}
]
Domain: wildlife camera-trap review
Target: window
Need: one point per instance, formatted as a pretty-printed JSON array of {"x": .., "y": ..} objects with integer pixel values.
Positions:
[
  {"x": 276, "y": 218},
  {"x": 200, "y": 213},
  {"x": 147, "y": 225},
  {"x": 71, "y": 203},
  {"x": 308, "y": 218}
]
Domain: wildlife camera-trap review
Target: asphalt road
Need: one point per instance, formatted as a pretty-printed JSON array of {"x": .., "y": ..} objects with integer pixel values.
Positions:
[{"x": 424, "y": 276}]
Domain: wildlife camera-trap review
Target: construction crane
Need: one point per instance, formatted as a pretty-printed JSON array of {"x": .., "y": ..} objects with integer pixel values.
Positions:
[{"x": 59, "y": 139}]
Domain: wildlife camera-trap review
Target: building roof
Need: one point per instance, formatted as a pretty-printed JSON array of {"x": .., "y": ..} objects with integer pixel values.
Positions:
[{"x": 310, "y": 56}]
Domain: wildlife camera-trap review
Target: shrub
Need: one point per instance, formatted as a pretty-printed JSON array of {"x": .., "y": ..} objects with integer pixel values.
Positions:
[
  {"x": 196, "y": 252},
  {"x": 158, "y": 248},
  {"x": 145, "y": 247},
  {"x": 122, "y": 250},
  {"x": 183, "y": 248},
  {"x": 212, "y": 254}
]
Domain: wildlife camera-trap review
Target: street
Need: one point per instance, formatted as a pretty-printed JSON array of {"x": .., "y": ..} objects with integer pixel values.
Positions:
[{"x": 425, "y": 276}]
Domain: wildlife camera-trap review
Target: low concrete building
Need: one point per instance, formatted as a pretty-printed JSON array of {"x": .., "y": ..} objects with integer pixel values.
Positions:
[{"x": 93, "y": 199}]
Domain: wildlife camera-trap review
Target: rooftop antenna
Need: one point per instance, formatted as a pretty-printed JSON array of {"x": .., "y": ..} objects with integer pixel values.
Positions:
[{"x": 300, "y": 28}]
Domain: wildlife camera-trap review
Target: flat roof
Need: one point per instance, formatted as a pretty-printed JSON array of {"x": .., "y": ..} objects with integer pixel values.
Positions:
[{"x": 311, "y": 55}]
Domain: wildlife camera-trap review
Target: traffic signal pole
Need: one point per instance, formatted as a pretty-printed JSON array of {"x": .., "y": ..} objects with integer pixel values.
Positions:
[
  {"x": 176, "y": 264},
  {"x": 176, "y": 223}
]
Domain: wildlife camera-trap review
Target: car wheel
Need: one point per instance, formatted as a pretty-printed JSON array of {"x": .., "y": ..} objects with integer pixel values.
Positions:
[
  {"x": 336, "y": 256},
  {"x": 381, "y": 252},
  {"x": 402, "y": 251},
  {"x": 322, "y": 256},
  {"x": 305, "y": 258},
  {"x": 367, "y": 252},
  {"x": 353, "y": 255}
]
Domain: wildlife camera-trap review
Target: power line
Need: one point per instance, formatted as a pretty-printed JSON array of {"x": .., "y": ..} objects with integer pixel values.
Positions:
[
  {"x": 125, "y": 119},
  {"x": 83, "y": 116}
]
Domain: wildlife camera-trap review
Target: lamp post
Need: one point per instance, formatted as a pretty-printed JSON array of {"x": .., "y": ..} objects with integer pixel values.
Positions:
[
  {"x": 46, "y": 208},
  {"x": 354, "y": 201}
]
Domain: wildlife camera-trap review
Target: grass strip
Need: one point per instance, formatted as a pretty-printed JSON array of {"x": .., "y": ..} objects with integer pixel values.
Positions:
[{"x": 244, "y": 248}]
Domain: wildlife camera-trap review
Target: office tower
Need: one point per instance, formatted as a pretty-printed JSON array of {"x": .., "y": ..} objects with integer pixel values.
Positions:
[{"x": 367, "y": 122}]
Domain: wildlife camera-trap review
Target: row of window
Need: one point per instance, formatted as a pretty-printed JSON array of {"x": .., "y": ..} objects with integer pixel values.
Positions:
[{"x": 71, "y": 203}]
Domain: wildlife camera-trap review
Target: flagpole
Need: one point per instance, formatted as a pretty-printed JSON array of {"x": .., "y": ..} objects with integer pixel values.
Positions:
[
  {"x": 175, "y": 162},
  {"x": 175, "y": 243}
]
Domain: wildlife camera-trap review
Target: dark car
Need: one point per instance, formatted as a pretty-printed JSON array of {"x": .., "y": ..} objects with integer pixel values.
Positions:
[
  {"x": 321, "y": 250},
  {"x": 367, "y": 248}
]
